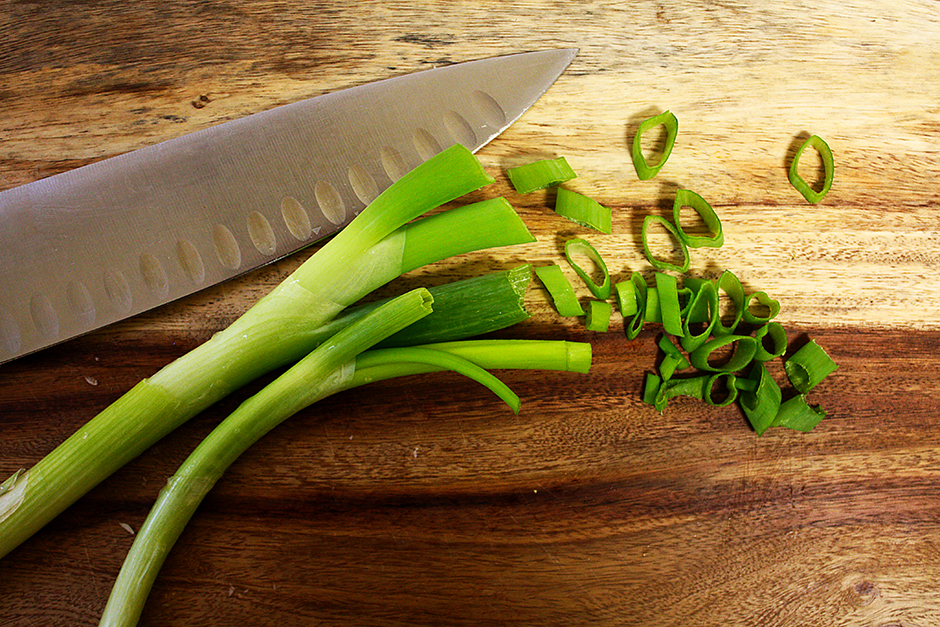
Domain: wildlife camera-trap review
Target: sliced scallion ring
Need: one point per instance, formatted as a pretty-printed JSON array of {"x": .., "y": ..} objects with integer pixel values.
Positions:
[
  {"x": 730, "y": 387},
  {"x": 560, "y": 290},
  {"x": 582, "y": 210},
  {"x": 643, "y": 169},
  {"x": 777, "y": 335},
  {"x": 808, "y": 367},
  {"x": 825, "y": 153},
  {"x": 598, "y": 316},
  {"x": 667, "y": 287},
  {"x": 761, "y": 404},
  {"x": 540, "y": 174},
  {"x": 688, "y": 198},
  {"x": 661, "y": 264},
  {"x": 749, "y": 316},
  {"x": 626, "y": 297},
  {"x": 640, "y": 292},
  {"x": 797, "y": 414},
  {"x": 730, "y": 285},
  {"x": 744, "y": 347},
  {"x": 583, "y": 247},
  {"x": 705, "y": 299}
]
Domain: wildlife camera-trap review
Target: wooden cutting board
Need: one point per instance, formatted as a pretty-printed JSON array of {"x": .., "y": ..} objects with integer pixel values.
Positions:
[{"x": 424, "y": 501}]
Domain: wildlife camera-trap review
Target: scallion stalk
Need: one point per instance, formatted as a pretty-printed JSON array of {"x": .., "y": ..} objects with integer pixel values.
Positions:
[
  {"x": 273, "y": 333},
  {"x": 309, "y": 381}
]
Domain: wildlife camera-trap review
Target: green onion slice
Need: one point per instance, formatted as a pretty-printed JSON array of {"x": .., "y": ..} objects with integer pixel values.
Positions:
[
  {"x": 583, "y": 247},
  {"x": 731, "y": 389},
  {"x": 582, "y": 210},
  {"x": 667, "y": 288},
  {"x": 761, "y": 404},
  {"x": 797, "y": 414},
  {"x": 598, "y": 316},
  {"x": 673, "y": 359},
  {"x": 641, "y": 292},
  {"x": 643, "y": 169},
  {"x": 688, "y": 198},
  {"x": 776, "y": 335},
  {"x": 705, "y": 298},
  {"x": 743, "y": 349},
  {"x": 540, "y": 174},
  {"x": 651, "y": 387},
  {"x": 559, "y": 288},
  {"x": 626, "y": 297},
  {"x": 730, "y": 285},
  {"x": 799, "y": 183},
  {"x": 662, "y": 264},
  {"x": 749, "y": 313},
  {"x": 808, "y": 367}
]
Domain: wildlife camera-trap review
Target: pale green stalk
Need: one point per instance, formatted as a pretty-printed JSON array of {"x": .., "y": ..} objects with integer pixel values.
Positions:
[
  {"x": 275, "y": 332},
  {"x": 301, "y": 386}
]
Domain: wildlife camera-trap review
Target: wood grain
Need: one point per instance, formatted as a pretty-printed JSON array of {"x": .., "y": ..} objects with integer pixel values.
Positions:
[{"x": 422, "y": 500}]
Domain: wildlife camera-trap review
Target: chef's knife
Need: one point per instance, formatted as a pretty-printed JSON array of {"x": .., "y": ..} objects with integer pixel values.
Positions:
[{"x": 85, "y": 248}]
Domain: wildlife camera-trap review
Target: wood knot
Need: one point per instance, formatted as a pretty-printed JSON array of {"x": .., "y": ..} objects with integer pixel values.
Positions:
[
  {"x": 201, "y": 101},
  {"x": 866, "y": 591}
]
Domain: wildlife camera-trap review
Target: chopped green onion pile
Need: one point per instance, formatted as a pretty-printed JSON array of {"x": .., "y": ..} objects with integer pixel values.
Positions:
[{"x": 728, "y": 350}]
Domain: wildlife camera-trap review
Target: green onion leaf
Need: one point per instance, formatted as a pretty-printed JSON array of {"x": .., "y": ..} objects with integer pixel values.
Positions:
[
  {"x": 761, "y": 403},
  {"x": 777, "y": 335},
  {"x": 756, "y": 315},
  {"x": 731, "y": 286},
  {"x": 797, "y": 414},
  {"x": 583, "y": 247},
  {"x": 800, "y": 183},
  {"x": 626, "y": 297},
  {"x": 540, "y": 174},
  {"x": 667, "y": 288},
  {"x": 808, "y": 367},
  {"x": 640, "y": 292},
  {"x": 560, "y": 290},
  {"x": 582, "y": 210},
  {"x": 743, "y": 349},
  {"x": 651, "y": 387},
  {"x": 662, "y": 264},
  {"x": 688, "y": 198},
  {"x": 598, "y": 316},
  {"x": 704, "y": 299},
  {"x": 731, "y": 389},
  {"x": 643, "y": 169}
]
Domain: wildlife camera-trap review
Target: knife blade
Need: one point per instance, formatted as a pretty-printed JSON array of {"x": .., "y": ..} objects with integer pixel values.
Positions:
[{"x": 88, "y": 247}]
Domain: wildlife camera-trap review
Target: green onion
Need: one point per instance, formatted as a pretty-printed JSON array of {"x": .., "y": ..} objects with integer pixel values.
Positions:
[
  {"x": 797, "y": 414},
  {"x": 540, "y": 174},
  {"x": 272, "y": 334},
  {"x": 777, "y": 335},
  {"x": 800, "y": 183},
  {"x": 651, "y": 386},
  {"x": 730, "y": 388},
  {"x": 744, "y": 347},
  {"x": 688, "y": 198},
  {"x": 598, "y": 316},
  {"x": 730, "y": 285},
  {"x": 326, "y": 371},
  {"x": 582, "y": 210},
  {"x": 640, "y": 292},
  {"x": 560, "y": 290},
  {"x": 750, "y": 316},
  {"x": 662, "y": 264},
  {"x": 667, "y": 288},
  {"x": 704, "y": 299},
  {"x": 644, "y": 170},
  {"x": 626, "y": 297},
  {"x": 762, "y": 402},
  {"x": 808, "y": 367},
  {"x": 673, "y": 359},
  {"x": 579, "y": 246}
]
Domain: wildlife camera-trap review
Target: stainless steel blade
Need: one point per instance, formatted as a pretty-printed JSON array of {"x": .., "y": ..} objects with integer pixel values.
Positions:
[{"x": 86, "y": 248}]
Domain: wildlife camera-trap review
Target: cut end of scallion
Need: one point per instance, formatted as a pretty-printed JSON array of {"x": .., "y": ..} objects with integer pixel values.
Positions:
[{"x": 540, "y": 174}]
